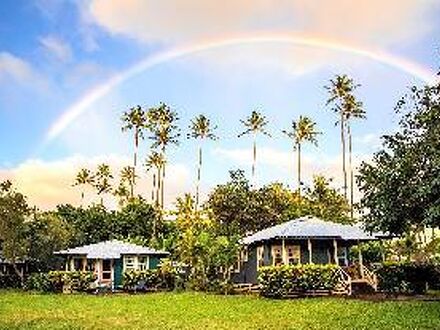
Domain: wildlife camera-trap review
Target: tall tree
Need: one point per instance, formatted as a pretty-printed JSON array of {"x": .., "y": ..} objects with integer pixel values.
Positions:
[
  {"x": 103, "y": 177},
  {"x": 201, "y": 129},
  {"x": 162, "y": 122},
  {"x": 353, "y": 109},
  {"x": 254, "y": 124},
  {"x": 155, "y": 161},
  {"x": 400, "y": 186},
  {"x": 135, "y": 120},
  {"x": 128, "y": 177},
  {"x": 14, "y": 212},
  {"x": 302, "y": 130},
  {"x": 339, "y": 89},
  {"x": 84, "y": 178}
]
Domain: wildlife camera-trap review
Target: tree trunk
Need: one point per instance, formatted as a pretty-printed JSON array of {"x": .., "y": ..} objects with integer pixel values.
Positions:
[
  {"x": 162, "y": 186},
  {"x": 344, "y": 170},
  {"x": 299, "y": 167},
  {"x": 199, "y": 174},
  {"x": 350, "y": 164},
  {"x": 158, "y": 187},
  {"x": 82, "y": 198},
  {"x": 153, "y": 190},
  {"x": 136, "y": 146},
  {"x": 254, "y": 163}
]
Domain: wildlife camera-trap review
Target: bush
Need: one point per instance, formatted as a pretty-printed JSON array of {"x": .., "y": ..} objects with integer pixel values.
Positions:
[
  {"x": 407, "y": 277},
  {"x": 10, "y": 281},
  {"x": 165, "y": 278},
  {"x": 55, "y": 281},
  {"x": 279, "y": 281}
]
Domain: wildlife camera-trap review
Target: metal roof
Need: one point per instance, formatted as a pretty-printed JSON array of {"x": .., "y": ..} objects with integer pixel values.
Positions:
[
  {"x": 110, "y": 250},
  {"x": 311, "y": 227}
]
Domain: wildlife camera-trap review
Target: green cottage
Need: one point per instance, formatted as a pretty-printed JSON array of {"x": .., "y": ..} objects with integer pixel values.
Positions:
[
  {"x": 110, "y": 259},
  {"x": 306, "y": 240}
]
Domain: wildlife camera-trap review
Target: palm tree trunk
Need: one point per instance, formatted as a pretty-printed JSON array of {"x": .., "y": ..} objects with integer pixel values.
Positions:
[
  {"x": 162, "y": 186},
  {"x": 199, "y": 174},
  {"x": 350, "y": 164},
  {"x": 254, "y": 163},
  {"x": 299, "y": 167},
  {"x": 136, "y": 146},
  {"x": 344, "y": 170},
  {"x": 82, "y": 198},
  {"x": 153, "y": 190},
  {"x": 158, "y": 186}
]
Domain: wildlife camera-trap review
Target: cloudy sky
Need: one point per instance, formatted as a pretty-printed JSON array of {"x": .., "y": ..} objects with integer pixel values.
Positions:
[{"x": 68, "y": 69}]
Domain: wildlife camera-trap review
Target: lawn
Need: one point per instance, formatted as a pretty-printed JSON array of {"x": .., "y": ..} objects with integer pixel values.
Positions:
[{"x": 201, "y": 311}]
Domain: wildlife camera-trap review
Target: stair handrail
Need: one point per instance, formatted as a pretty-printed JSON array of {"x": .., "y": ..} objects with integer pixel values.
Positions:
[
  {"x": 370, "y": 276},
  {"x": 344, "y": 279}
]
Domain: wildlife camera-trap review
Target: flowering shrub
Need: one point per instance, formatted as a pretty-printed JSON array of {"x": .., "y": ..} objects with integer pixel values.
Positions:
[{"x": 279, "y": 281}]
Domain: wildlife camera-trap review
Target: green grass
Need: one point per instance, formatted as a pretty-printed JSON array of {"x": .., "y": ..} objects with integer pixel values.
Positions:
[{"x": 20, "y": 310}]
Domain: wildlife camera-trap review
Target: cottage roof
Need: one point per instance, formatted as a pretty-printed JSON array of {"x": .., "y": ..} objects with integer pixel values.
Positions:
[
  {"x": 110, "y": 250},
  {"x": 311, "y": 227}
]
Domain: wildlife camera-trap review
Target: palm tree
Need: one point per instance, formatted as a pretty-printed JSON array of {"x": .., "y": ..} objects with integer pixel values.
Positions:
[
  {"x": 353, "y": 109},
  {"x": 128, "y": 176},
  {"x": 254, "y": 124},
  {"x": 303, "y": 130},
  {"x": 103, "y": 178},
  {"x": 123, "y": 193},
  {"x": 202, "y": 130},
  {"x": 83, "y": 178},
  {"x": 155, "y": 160},
  {"x": 339, "y": 88},
  {"x": 161, "y": 121},
  {"x": 134, "y": 119}
]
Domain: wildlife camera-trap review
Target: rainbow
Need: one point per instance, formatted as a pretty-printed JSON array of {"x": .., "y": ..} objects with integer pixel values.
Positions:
[{"x": 80, "y": 107}]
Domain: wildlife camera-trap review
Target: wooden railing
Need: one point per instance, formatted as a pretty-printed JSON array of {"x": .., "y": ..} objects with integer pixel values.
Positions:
[
  {"x": 369, "y": 276},
  {"x": 344, "y": 285}
]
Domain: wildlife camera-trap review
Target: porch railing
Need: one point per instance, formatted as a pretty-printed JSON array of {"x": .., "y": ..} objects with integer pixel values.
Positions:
[{"x": 344, "y": 282}]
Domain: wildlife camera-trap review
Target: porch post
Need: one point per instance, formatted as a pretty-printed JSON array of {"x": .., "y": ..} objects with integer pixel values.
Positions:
[
  {"x": 361, "y": 261},
  {"x": 335, "y": 251},
  {"x": 309, "y": 248},
  {"x": 283, "y": 251}
]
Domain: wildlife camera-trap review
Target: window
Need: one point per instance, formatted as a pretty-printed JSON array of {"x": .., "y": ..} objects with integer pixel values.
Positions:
[
  {"x": 106, "y": 269},
  {"x": 244, "y": 254},
  {"x": 342, "y": 256},
  {"x": 143, "y": 263},
  {"x": 129, "y": 262},
  {"x": 293, "y": 254},
  {"x": 277, "y": 255},
  {"x": 260, "y": 256}
]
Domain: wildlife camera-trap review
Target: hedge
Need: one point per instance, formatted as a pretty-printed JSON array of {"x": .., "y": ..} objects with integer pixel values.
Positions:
[
  {"x": 407, "y": 277},
  {"x": 279, "y": 281},
  {"x": 10, "y": 281},
  {"x": 56, "y": 281},
  {"x": 152, "y": 279}
]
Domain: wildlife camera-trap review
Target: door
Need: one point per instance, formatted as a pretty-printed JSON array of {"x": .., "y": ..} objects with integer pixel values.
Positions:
[
  {"x": 117, "y": 273},
  {"x": 106, "y": 271}
]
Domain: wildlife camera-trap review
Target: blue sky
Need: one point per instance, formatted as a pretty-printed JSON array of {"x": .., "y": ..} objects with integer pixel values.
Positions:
[{"x": 54, "y": 52}]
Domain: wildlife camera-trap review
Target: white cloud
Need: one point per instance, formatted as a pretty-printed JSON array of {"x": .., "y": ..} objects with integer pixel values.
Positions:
[
  {"x": 56, "y": 47},
  {"x": 281, "y": 164},
  {"x": 15, "y": 68},
  {"x": 49, "y": 183},
  {"x": 373, "y": 21}
]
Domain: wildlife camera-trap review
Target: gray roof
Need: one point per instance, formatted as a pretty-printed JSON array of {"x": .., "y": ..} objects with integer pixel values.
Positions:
[
  {"x": 310, "y": 227},
  {"x": 110, "y": 250}
]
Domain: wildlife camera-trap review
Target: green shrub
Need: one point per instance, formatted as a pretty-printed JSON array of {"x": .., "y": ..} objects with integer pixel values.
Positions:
[
  {"x": 165, "y": 277},
  {"x": 407, "y": 277},
  {"x": 55, "y": 281},
  {"x": 10, "y": 281},
  {"x": 279, "y": 281}
]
